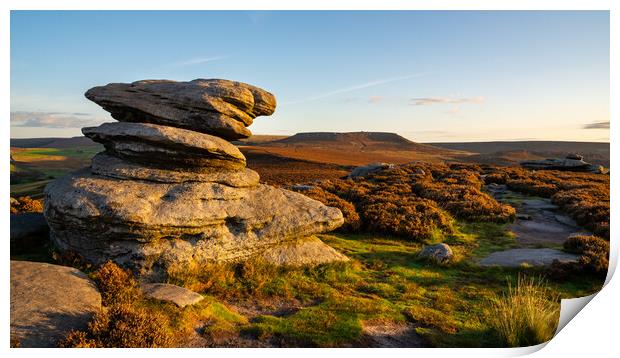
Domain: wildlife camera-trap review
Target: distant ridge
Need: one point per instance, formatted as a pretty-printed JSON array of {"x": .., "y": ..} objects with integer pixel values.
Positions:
[
  {"x": 533, "y": 145},
  {"x": 510, "y": 153},
  {"x": 366, "y": 141},
  {"x": 52, "y": 142}
]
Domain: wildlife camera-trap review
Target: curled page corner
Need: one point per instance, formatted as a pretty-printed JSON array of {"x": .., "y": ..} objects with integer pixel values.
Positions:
[{"x": 569, "y": 308}]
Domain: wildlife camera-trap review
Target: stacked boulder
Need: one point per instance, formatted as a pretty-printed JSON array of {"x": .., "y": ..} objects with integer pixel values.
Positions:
[{"x": 171, "y": 189}]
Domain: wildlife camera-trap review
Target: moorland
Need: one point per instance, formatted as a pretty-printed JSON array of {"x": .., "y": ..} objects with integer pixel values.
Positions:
[{"x": 472, "y": 197}]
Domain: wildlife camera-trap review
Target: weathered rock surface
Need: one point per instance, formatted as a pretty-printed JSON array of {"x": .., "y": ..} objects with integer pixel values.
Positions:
[
  {"x": 440, "y": 253},
  {"x": 28, "y": 229},
  {"x": 381, "y": 334},
  {"x": 533, "y": 257},
  {"x": 214, "y": 106},
  {"x": 48, "y": 301},
  {"x": 107, "y": 165},
  {"x": 365, "y": 170},
  {"x": 572, "y": 162},
  {"x": 165, "y": 146},
  {"x": 144, "y": 224},
  {"x": 171, "y": 293},
  {"x": 309, "y": 251},
  {"x": 167, "y": 195}
]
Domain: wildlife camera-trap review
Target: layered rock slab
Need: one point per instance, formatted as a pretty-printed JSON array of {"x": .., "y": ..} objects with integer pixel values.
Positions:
[
  {"x": 532, "y": 257},
  {"x": 147, "y": 225},
  {"x": 48, "y": 301},
  {"x": 213, "y": 106},
  {"x": 166, "y": 146},
  {"x": 110, "y": 166}
]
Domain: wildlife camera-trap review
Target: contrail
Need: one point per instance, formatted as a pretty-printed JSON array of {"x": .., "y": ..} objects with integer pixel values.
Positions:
[
  {"x": 197, "y": 61},
  {"x": 355, "y": 88}
]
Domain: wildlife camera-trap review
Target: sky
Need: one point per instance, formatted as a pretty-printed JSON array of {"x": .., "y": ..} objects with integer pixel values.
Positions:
[{"x": 430, "y": 76}]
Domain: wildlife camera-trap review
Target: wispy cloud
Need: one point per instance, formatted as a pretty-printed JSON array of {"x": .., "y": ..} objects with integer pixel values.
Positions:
[
  {"x": 375, "y": 99},
  {"x": 355, "y": 88},
  {"x": 53, "y": 119},
  {"x": 426, "y": 101},
  {"x": 199, "y": 60},
  {"x": 597, "y": 125},
  {"x": 454, "y": 111}
]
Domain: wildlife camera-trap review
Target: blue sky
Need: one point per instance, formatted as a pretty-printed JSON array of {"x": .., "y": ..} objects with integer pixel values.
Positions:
[{"x": 427, "y": 75}]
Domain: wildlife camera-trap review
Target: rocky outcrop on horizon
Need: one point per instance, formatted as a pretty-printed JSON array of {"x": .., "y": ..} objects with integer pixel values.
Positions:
[
  {"x": 572, "y": 162},
  {"x": 170, "y": 189}
]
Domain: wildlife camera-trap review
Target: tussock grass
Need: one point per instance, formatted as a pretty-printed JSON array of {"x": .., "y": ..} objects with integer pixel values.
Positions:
[{"x": 526, "y": 315}]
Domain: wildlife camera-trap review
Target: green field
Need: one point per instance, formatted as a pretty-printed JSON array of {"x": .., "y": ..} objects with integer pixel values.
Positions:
[{"x": 33, "y": 168}]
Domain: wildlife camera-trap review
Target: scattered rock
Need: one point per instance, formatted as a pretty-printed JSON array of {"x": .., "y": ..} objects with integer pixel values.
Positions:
[
  {"x": 538, "y": 204},
  {"x": 302, "y": 187},
  {"x": 574, "y": 156},
  {"x": 440, "y": 253},
  {"x": 28, "y": 230},
  {"x": 171, "y": 293},
  {"x": 390, "y": 335},
  {"x": 309, "y": 251},
  {"x": 48, "y": 301},
  {"x": 565, "y": 220},
  {"x": 365, "y": 170},
  {"x": 524, "y": 217},
  {"x": 532, "y": 257}
]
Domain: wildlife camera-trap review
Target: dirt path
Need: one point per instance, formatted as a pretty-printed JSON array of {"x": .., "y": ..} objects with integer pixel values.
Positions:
[{"x": 540, "y": 229}]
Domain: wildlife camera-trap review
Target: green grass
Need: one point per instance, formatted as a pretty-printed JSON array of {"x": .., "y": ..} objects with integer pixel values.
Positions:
[
  {"x": 33, "y": 189},
  {"x": 29, "y": 177},
  {"x": 77, "y": 153},
  {"x": 450, "y": 305},
  {"x": 526, "y": 315}
]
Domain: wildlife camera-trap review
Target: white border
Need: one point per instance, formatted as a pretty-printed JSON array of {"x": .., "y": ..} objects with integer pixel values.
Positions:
[{"x": 592, "y": 332}]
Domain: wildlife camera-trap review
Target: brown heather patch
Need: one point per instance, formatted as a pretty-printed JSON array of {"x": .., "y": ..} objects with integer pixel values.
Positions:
[
  {"x": 123, "y": 325},
  {"x": 593, "y": 259},
  {"x": 26, "y": 204},
  {"x": 115, "y": 284},
  {"x": 411, "y": 200},
  {"x": 122, "y": 322},
  {"x": 351, "y": 217}
]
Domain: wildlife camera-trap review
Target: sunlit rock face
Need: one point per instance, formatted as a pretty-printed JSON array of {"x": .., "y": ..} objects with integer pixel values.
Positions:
[{"x": 170, "y": 190}]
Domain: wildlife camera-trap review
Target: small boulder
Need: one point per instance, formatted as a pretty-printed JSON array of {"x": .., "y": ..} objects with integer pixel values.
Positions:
[
  {"x": 302, "y": 187},
  {"x": 48, "y": 301},
  {"x": 165, "y": 292},
  {"x": 365, "y": 170},
  {"x": 440, "y": 253}
]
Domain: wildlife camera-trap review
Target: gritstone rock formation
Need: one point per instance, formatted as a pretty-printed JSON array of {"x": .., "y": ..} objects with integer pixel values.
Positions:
[{"x": 168, "y": 190}]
